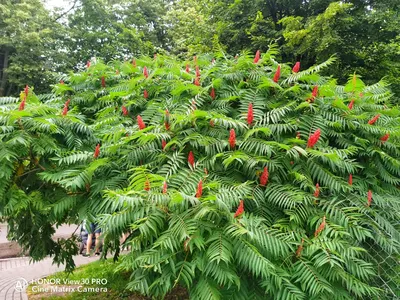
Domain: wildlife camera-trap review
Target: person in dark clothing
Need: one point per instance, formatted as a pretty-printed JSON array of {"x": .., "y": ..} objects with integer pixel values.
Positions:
[{"x": 96, "y": 231}]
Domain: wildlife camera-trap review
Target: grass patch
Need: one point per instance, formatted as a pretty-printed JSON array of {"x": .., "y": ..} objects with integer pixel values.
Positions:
[{"x": 82, "y": 277}]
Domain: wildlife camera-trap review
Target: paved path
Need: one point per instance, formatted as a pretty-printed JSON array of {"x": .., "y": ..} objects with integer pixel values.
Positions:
[{"x": 15, "y": 270}]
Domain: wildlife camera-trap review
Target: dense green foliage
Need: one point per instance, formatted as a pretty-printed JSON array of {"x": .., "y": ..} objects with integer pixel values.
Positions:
[
  {"x": 364, "y": 34},
  {"x": 294, "y": 240}
]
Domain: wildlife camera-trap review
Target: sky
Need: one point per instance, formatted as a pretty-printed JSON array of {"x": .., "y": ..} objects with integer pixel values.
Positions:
[{"x": 50, "y": 4}]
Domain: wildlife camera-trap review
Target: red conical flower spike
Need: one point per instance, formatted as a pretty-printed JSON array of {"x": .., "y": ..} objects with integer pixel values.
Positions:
[
  {"x": 320, "y": 227},
  {"x": 257, "y": 57},
  {"x": 212, "y": 123},
  {"x": 65, "y": 109},
  {"x": 147, "y": 185},
  {"x": 26, "y": 90},
  {"x": 385, "y": 137},
  {"x": 296, "y": 67},
  {"x": 350, "y": 179},
  {"x": 22, "y": 104},
  {"x": 316, "y": 193},
  {"x": 163, "y": 144},
  {"x": 124, "y": 111},
  {"x": 187, "y": 68},
  {"x": 374, "y": 119},
  {"x": 140, "y": 122},
  {"x": 232, "y": 138},
  {"x": 197, "y": 81},
  {"x": 351, "y": 104},
  {"x": 199, "y": 191},
  {"x": 369, "y": 198},
  {"x": 250, "y": 114},
  {"x": 300, "y": 248},
  {"x": 264, "y": 177},
  {"x": 134, "y": 63},
  {"x": 212, "y": 93},
  {"x": 277, "y": 74},
  {"x": 145, "y": 94},
  {"x": 240, "y": 209},
  {"x": 88, "y": 64},
  {"x": 103, "y": 81},
  {"x": 167, "y": 126},
  {"x": 313, "y": 139},
  {"x": 165, "y": 187},
  {"x": 191, "y": 159},
  {"x": 197, "y": 71},
  {"x": 97, "y": 151},
  {"x": 145, "y": 72},
  {"x": 315, "y": 91}
]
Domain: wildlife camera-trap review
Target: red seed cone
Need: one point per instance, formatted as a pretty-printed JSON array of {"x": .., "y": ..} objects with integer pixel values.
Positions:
[
  {"x": 145, "y": 72},
  {"x": 165, "y": 187},
  {"x": 140, "y": 122},
  {"x": 351, "y": 179},
  {"x": 212, "y": 93},
  {"x": 124, "y": 111},
  {"x": 369, "y": 198},
  {"x": 197, "y": 71},
  {"x": 385, "y": 137},
  {"x": 103, "y": 81},
  {"x": 232, "y": 138},
  {"x": 199, "y": 190},
  {"x": 191, "y": 160},
  {"x": 315, "y": 91},
  {"x": 316, "y": 193},
  {"x": 26, "y": 90},
  {"x": 145, "y": 94},
  {"x": 134, "y": 63},
  {"x": 296, "y": 67},
  {"x": 197, "y": 81},
  {"x": 313, "y": 139},
  {"x": 257, "y": 57},
  {"x": 300, "y": 248},
  {"x": 212, "y": 123},
  {"x": 320, "y": 227},
  {"x": 277, "y": 74},
  {"x": 351, "y": 104},
  {"x": 240, "y": 209},
  {"x": 147, "y": 185},
  {"x": 163, "y": 144},
  {"x": 88, "y": 64},
  {"x": 65, "y": 110},
  {"x": 97, "y": 151},
  {"x": 250, "y": 114},
  {"x": 374, "y": 119},
  {"x": 167, "y": 125},
  {"x": 22, "y": 104},
  {"x": 187, "y": 68},
  {"x": 264, "y": 177}
]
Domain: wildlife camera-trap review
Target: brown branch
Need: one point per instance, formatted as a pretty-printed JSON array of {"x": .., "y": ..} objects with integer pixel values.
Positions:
[{"x": 66, "y": 12}]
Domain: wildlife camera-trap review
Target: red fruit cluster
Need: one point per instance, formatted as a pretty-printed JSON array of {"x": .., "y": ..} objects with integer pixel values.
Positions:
[
  {"x": 134, "y": 63},
  {"x": 264, "y": 177},
  {"x": 212, "y": 123},
  {"x": 124, "y": 111},
  {"x": 140, "y": 122},
  {"x": 26, "y": 90},
  {"x": 147, "y": 185},
  {"x": 350, "y": 179},
  {"x": 145, "y": 72},
  {"x": 277, "y": 74},
  {"x": 313, "y": 139},
  {"x": 97, "y": 151},
  {"x": 103, "y": 81},
  {"x": 232, "y": 138},
  {"x": 369, "y": 198},
  {"x": 165, "y": 187},
  {"x": 374, "y": 119},
  {"x": 88, "y": 64},
  {"x": 316, "y": 193},
  {"x": 385, "y": 137},
  {"x": 300, "y": 248},
  {"x": 191, "y": 159},
  {"x": 197, "y": 81},
  {"x": 22, "y": 104},
  {"x": 240, "y": 209},
  {"x": 257, "y": 57},
  {"x": 250, "y": 114},
  {"x": 187, "y": 68},
  {"x": 65, "y": 109},
  {"x": 163, "y": 144},
  {"x": 320, "y": 227},
  {"x": 296, "y": 67},
  {"x": 212, "y": 93},
  {"x": 145, "y": 94},
  {"x": 351, "y": 104},
  {"x": 199, "y": 190}
]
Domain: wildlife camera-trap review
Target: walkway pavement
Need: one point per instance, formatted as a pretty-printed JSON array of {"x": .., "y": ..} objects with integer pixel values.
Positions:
[{"x": 16, "y": 272}]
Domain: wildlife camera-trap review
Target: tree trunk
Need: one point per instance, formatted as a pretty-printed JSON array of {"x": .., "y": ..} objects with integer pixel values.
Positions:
[{"x": 3, "y": 82}]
